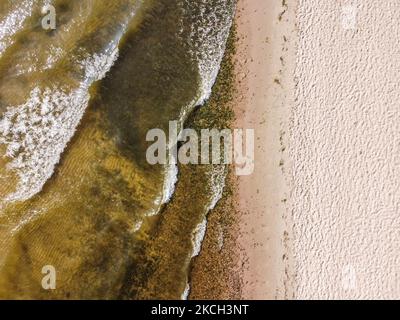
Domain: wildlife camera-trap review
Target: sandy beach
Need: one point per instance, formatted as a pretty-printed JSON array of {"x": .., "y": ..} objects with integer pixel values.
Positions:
[
  {"x": 345, "y": 150},
  {"x": 320, "y": 215},
  {"x": 85, "y": 215},
  {"x": 265, "y": 62}
]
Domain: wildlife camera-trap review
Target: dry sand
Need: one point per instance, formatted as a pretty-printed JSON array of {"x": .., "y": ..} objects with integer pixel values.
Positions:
[
  {"x": 345, "y": 147},
  {"x": 320, "y": 216},
  {"x": 265, "y": 81}
]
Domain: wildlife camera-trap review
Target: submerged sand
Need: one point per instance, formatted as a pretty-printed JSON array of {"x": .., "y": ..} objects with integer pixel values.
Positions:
[{"x": 318, "y": 218}]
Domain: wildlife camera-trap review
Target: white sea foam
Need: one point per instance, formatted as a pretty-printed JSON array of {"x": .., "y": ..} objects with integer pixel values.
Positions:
[
  {"x": 97, "y": 65},
  {"x": 171, "y": 177},
  {"x": 198, "y": 237},
  {"x": 185, "y": 294},
  {"x": 13, "y": 22},
  {"x": 30, "y": 215},
  {"x": 217, "y": 184},
  {"x": 36, "y": 134},
  {"x": 208, "y": 38},
  {"x": 29, "y": 65},
  {"x": 210, "y": 56},
  {"x": 55, "y": 54}
]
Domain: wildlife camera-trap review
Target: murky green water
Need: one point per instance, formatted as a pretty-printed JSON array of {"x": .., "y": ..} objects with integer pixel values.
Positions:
[{"x": 76, "y": 103}]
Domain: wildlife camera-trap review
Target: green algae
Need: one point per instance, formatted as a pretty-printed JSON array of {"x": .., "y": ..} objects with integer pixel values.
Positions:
[{"x": 163, "y": 263}]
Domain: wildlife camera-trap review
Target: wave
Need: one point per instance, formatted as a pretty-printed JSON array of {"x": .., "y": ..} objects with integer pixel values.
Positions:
[
  {"x": 13, "y": 22},
  {"x": 207, "y": 38},
  {"x": 37, "y": 132},
  {"x": 105, "y": 188}
]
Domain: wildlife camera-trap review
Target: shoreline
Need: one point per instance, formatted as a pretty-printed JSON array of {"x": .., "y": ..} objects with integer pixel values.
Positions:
[{"x": 264, "y": 67}]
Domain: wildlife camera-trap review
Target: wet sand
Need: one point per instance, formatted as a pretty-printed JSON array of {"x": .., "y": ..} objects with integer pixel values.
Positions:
[{"x": 265, "y": 67}]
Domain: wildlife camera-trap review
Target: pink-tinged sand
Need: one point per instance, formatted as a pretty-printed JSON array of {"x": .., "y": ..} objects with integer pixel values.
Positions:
[{"x": 265, "y": 64}]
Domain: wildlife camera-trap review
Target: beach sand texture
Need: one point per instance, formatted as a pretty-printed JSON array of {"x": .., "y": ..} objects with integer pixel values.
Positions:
[
  {"x": 265, "y": 68},
  {"x": 344, "y": 150},
  {"x": 319, "y": 84}
]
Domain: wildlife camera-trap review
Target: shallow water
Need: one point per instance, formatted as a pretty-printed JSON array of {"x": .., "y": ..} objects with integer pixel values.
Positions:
[{"x": 76, "y": 103}]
